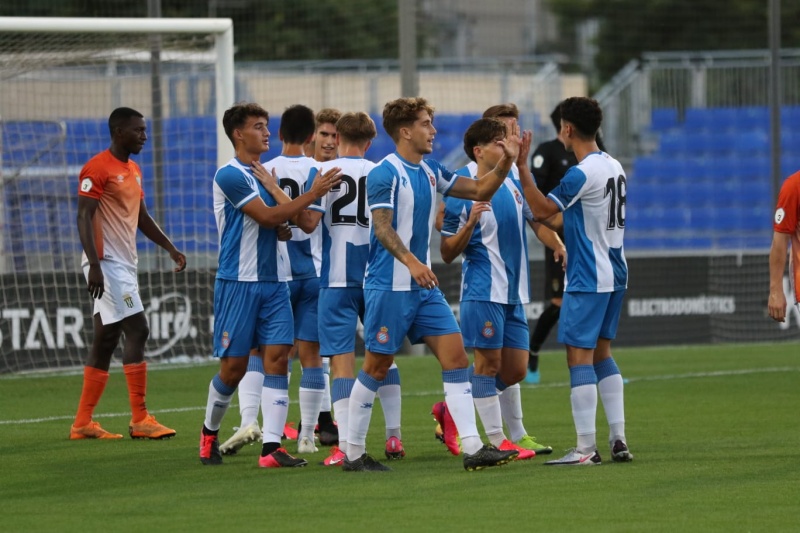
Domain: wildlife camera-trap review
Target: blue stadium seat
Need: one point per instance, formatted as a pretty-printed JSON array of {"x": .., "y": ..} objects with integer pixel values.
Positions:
[{"x": 663, "y": 119}]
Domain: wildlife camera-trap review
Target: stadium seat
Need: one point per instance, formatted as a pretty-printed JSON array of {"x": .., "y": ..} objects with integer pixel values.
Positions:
[{"x": 663, "y": 119}]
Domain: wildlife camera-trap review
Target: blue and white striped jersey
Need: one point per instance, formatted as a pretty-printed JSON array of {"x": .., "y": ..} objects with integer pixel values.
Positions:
[
  {"x": 302, "y": 256},
  {"x": 247, "y": 251},
  {"x": 592, "y": 196},
  {"x": 409, "y": 190},
  {"x": 494, "y": 264},
  {"x": 345, "y": 224}
]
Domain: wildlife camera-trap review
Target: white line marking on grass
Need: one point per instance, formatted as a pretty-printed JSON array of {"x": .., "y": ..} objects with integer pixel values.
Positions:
[{"x": 665, "y": 377}]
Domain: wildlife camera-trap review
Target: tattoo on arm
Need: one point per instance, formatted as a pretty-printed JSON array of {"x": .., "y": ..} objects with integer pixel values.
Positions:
[{"x": 385, "y": 233}]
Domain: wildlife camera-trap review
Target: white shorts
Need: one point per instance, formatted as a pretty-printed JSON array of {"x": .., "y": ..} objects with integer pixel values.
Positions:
[{"x": 121, "y": 295}]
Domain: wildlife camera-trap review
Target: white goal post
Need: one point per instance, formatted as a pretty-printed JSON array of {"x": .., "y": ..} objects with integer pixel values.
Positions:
[{"x": 59, "y": 80}]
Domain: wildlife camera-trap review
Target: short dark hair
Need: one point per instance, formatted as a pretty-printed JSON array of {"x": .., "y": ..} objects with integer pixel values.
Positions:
[
  {"x": 402, "y": 112},
  {"x": 297, "y": 124},
  {"x": 555, "y": 117},
  {"x": 235, "y": 117},
  {"x": 357, "y": 128},
  {"x": 502, "y": 110},
  {"x": 482, "y": 132},
  {"x": 583, "y": 113},
  {"x": 120, "y": 117}
]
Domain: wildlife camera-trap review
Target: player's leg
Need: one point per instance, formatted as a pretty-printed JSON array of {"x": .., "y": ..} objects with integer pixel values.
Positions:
[
  {"x": 579, "y": 330},
  {"x": 328, "y": 431},
  {"x": 275, "y": 333},
  {"x": 387, "y": 317},
  {"x": 553, "y": 291},
  {"x": 235, "y": 312},
  {"x": 391, "y": 404},
  {"x": 312, "y": 382},
  {"x": 249, "y": 392},
  {"x": 610, "y": 383},
  {"x": 95, "y": 378},
  {"x": 513, "y": 369}
]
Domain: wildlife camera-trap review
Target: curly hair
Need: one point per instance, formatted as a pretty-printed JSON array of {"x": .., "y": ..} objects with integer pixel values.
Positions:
[
  {"x": 235, "y": 117},
  {"x": 402, "y": 113},
  {"x": 584, "y": 113}
]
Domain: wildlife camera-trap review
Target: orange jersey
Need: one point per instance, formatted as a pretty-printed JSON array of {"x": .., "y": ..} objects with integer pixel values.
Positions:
[
  {"x": 118, "y": 188},
  {"x": 787, "y": 220}
]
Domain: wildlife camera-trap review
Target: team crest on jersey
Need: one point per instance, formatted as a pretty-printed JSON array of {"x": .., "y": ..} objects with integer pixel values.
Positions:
[
  {"x": 517, "y": 197},
  {"x": 120, "y": 178},
  {"x": 383, "y": 335},
  {"x": 779, "y": 214},
  {"x": 488, "y": 330},
  {"x": 128, "y": 299},
  {"x": 226, "y": 339},
  {"x": 433, "y": 181}
]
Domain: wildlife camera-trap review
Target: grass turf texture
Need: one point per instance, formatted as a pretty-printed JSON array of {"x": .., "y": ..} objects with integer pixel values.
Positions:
[{"x": 714, "y": 430}]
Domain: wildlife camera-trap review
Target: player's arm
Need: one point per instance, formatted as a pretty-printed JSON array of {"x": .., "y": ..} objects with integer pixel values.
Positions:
[
  {"x": 550, "y": 238},
  {"x": 152, "y": 231},
  {"x": 306, "y": 220},
  {"x": 270, "y": 217},
  {"x": 388, "y": 237},
  {"x": 483, "y": 188},
  {"x": 452, "y": 245},
  {"x": 777, "y": 266},
  {"x": 86, "y": 209}
]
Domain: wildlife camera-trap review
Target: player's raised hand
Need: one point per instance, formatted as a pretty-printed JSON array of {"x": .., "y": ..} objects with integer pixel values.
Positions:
[
  {"x": 268, "y": 179},
  {"x": 511, "y": 144},
  {"x": 325, "y": 182},
  {"x": 524, "y": 148},
  {"x": 477, "y": 209}
]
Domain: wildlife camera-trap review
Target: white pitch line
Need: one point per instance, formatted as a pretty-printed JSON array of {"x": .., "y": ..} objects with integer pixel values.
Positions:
[{"x": 665, "y": 377}]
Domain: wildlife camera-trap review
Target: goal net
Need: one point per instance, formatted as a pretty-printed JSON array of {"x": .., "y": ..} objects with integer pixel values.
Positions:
[{"x": 59, "y": 81}]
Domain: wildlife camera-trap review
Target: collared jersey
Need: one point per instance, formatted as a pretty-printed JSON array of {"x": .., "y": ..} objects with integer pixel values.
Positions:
[
  {"x": 787, "y": 220},
  {"x": 117, "y": 186},
  {"x": 591, "y": 196},
  {"x": 409, "y": 190},
  {"x": 494, "y": 265},
  {"x": 345, "y": 224},
  {"x": 247, "y": 251},
  {"x": 302, "y": 255}
]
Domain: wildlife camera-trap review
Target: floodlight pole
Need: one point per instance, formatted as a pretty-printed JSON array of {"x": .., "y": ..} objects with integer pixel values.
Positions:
[
  {"x": 407, "y": 28},
  {"x": 157, "y": 116}
]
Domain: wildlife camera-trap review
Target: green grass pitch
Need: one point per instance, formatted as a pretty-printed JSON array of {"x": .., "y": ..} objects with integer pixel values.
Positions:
[{"x": 715, "y": 431}]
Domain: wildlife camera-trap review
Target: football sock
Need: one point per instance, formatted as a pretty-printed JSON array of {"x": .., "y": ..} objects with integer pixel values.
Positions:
[
  {"x": 94, "y": 383},
  {"x": 362, "y": 397},
  {"x": 219, "y": 398},
  {"x": 584, "y": 405},
  {"x": 610, "y": 386},
  {"x": 487, "y": 404},
  {"x": 389, "y": 393},
  {"x": 340, "y": 395},
  {"x": 511, "y": 408},
  {"x": 136, "y": 377},
  {"x": 312, "y": 387},
  {"x": 250, "y": 390},
  {"x": 274, "y": 407},
  {"x": 326, "y": 396},
  {"x": 458, "y": 397}
]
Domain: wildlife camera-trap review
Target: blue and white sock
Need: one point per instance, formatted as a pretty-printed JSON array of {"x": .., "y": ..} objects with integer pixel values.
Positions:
[
  {"x": 511, "y": 407},
  {"x": 274, "y": 406},
  {"x": 340, "y": 395},
  {"x": 584, "y": 405},
  {"x": 458, "y": 397},
  {"x": 250, "y": 390},
  {"x": 391, "y": 402},
  {"x": 610, "y": 385},
  {"x": 487, "y": 403},
  {"x": 312, "y": 387},
  {"x": 219, "y": 398},
  {"x": 362, "y": 398},
  {"x": 326, "y": 396}
]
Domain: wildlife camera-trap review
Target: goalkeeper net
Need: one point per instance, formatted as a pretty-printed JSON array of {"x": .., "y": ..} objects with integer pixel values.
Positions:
[{"x": 59, "y": 81}]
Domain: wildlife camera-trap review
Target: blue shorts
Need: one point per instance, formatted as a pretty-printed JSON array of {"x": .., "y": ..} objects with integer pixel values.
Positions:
[
  {"x": 304, "y": 296},
  {"x": 248, "y": 314},
  {"x": 391, "y": 315},
  {"x": 587, "y": 316},
  {"x": 339, "y": 311},
  {"x": 491, "y": 326}
]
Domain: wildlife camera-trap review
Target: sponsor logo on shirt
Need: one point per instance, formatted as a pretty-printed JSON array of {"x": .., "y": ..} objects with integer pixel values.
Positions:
[{"x": 120, "y": 178}]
